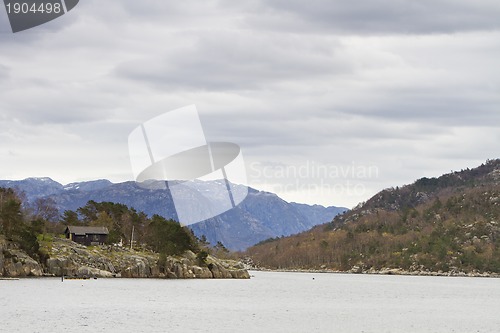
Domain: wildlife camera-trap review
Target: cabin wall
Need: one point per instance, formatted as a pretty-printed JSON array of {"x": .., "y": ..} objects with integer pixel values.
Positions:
[
  {"x": 96, "y": 239},
  {"x": 78, "y": 238},
  {"x": 88, "y": 239}
]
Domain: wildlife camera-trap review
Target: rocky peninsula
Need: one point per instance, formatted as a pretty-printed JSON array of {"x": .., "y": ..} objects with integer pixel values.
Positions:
[{"x": 67, "y": 258}]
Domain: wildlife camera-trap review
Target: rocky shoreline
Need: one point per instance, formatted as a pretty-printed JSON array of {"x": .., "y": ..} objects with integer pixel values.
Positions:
[
  {"x": 249, "y": 264},
  {"x": 66, "y": 258},
  {"x": 384, "y": 271}
]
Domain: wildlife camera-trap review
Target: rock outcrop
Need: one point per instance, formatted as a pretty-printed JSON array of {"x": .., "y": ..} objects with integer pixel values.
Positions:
[
  {"x": 71, "y": 259},
  {"x": 67, "y": 258},
  {"x": 15, "y": 262}
]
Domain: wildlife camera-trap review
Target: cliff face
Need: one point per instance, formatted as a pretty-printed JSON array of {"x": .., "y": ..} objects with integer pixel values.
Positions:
[{"x": 67, "y": 258}]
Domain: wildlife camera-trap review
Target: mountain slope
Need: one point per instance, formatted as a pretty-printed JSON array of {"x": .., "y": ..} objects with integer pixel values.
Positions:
[
  {"x": 449, "y": 224},
  {"x": 34, "y": 188},
  {"x": 315, "y": 213},
  {"x": 260, "y": 216}
]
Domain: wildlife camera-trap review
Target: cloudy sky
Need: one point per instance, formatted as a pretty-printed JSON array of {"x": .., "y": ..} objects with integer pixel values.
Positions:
[{"x": 330, "y": 101}]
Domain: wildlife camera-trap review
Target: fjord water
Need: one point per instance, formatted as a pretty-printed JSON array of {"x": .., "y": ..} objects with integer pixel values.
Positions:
[{"x": 269, "y": 302}]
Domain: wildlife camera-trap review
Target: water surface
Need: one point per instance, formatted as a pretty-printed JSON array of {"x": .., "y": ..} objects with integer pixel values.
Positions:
[{"x": 269, "y": 302}]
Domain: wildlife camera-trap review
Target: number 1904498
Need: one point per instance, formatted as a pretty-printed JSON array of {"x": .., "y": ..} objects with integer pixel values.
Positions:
[{"x": 26, "y": 8}]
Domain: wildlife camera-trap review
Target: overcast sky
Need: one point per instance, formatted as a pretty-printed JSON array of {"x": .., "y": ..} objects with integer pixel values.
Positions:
[{"x": 330, "y": 101}]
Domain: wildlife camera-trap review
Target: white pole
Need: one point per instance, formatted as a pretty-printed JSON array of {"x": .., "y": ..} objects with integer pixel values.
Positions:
[{"x": 132, "y": 238}]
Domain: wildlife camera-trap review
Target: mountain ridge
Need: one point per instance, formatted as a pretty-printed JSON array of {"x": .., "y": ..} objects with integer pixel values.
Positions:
[{"x": 260, "y": 216}]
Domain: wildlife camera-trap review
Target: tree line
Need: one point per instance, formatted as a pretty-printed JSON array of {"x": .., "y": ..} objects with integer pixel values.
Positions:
[{"x": 22, "y": 223}]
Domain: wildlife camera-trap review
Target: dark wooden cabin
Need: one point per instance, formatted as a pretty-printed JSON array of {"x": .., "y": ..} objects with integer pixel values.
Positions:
[{"x": 87, "y": 235}]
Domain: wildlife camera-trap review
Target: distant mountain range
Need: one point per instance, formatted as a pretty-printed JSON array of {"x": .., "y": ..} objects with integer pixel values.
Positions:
[
  {"x": 446, "y": 225},
  {"x": 262, "y": 215}
]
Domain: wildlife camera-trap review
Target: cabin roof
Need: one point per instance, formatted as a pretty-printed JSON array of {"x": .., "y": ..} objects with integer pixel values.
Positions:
[{"x": 87, "y": 230}]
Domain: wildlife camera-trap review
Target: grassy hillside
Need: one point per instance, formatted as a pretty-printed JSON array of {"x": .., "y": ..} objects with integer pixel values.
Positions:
[{"x": 448, "y": 224}]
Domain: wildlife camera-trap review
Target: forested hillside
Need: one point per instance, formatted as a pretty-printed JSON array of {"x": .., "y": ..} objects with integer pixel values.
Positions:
[{"x": 447, "y": 224}]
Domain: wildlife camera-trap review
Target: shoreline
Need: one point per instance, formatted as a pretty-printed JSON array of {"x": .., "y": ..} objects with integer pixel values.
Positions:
[{"x": 387, "y": 271}]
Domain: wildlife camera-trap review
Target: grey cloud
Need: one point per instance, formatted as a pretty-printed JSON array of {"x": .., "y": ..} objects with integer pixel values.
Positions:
[
  {"x": 287, "y": 81},
  {"x": 299, "y": 129},
  {"x": 4, "y": 22},
  {"x": 172, "y": 15},
  {"x": 43, "y": 102},
  {"x": 4, "y": 73},
  {"x": 442, "y": 108},
  {"x": 379, "y": 16},
  {"x": 167, "y": 9},
  {"x": 324, "y": 16},
  {"x": 238, "y": 60}
]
